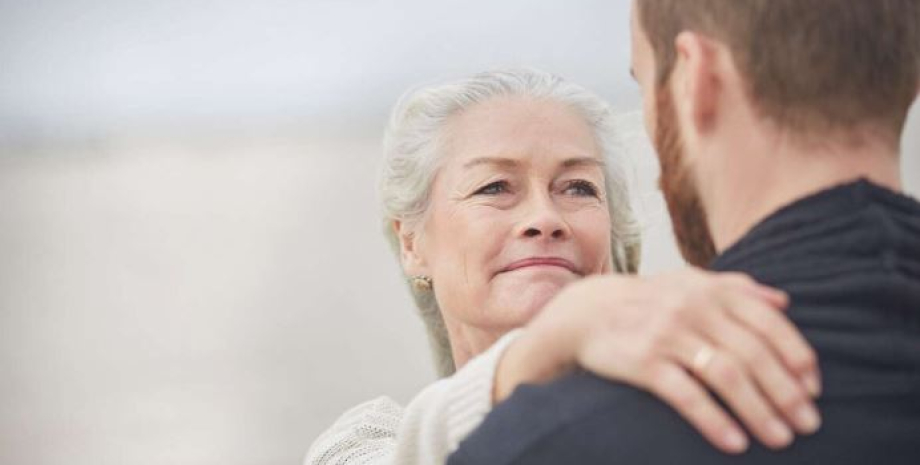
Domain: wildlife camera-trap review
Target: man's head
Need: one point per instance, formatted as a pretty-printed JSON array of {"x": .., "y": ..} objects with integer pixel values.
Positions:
[{"x": 717, "y": 73}]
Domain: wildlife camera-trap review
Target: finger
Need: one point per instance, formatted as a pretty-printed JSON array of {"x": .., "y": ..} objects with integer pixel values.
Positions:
[
  {"x": 677, "y": 388},
  {"x": 776, "y": 298},
  {"x": 773, "y": 378},
  {"x": 735, "y": 386},
  {"x": 782, "y": 336}
]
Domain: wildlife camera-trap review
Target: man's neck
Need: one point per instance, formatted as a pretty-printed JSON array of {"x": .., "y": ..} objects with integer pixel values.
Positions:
[{"x": 782, "y": 175}]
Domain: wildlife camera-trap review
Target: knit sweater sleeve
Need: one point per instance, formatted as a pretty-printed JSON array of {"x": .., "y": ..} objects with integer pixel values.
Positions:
[{"x": 426, "y": 431}]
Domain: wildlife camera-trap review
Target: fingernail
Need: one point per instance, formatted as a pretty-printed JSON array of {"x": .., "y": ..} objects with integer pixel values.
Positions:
[
  {"x": 782, "y": 295},
  {"x": 735, "y": 441},
  {"x": 812, "y": 384},
  {"x": 780, "y": 433},
  {"x": 808, "y": 419}
]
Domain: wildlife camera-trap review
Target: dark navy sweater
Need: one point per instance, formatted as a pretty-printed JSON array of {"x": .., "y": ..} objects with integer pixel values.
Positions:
[{"x": 850, "y": 259}]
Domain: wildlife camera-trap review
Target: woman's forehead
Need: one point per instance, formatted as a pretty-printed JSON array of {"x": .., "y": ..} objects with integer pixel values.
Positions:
[{"x": 512, "y": 131}]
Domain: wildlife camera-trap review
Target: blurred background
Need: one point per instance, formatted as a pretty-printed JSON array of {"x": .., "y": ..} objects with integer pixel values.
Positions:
[{"x": 191, "y": 264}]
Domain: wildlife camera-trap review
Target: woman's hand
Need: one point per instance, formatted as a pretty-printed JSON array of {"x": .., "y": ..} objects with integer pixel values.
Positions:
[{"x": 676, "y": 335}]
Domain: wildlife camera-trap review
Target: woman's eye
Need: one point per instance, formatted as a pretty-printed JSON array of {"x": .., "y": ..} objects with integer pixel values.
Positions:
[
  {"x": 581, "y": 188},
  {"x": 495, "y": 188}
]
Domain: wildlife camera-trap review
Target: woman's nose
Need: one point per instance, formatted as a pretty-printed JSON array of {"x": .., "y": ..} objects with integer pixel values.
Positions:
[
  {"x": 535, "y": 232},
  {"x": 544, "y": 220}
]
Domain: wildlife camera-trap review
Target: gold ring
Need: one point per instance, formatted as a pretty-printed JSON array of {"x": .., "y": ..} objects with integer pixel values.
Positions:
[{"x": 703, "y": 358}]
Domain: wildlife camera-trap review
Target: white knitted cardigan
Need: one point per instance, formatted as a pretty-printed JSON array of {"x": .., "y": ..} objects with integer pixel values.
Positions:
[{"x": 426, "y": 431}]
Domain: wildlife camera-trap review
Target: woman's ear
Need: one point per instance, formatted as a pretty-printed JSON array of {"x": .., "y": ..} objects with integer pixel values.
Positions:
[{"x": 413, "y": 262}]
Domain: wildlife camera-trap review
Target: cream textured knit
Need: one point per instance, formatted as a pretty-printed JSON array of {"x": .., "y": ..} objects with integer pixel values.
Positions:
[{"x": 425, "y": 432}]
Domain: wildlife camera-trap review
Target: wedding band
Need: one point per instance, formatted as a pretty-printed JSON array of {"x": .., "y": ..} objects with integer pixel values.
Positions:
[{"x": 702, "y": 358}]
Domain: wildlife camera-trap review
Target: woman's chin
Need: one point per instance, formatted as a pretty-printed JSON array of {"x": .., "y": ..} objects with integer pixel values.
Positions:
[{"x": 524, "y": 300}]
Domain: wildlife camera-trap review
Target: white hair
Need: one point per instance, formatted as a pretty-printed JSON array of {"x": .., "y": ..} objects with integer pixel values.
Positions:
[{"x": 413, "y": 154}]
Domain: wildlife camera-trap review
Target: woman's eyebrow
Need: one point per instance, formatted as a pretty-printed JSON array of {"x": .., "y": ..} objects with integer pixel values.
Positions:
[
  {"x": 510, "y": 163},
  {"x": 584, "y": 161},
  {"x": 498, "y": 161}
]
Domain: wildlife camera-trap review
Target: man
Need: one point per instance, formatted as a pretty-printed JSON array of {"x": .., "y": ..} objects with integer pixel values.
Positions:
[{"x": 777, "y": 124}]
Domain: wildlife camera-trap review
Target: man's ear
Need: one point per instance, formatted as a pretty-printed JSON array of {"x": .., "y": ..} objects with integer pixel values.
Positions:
[
  {"x": 412, "y": 260},
  {"x": 700, "y": 82}
]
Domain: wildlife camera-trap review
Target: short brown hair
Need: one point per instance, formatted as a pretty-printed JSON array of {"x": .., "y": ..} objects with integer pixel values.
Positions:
[{"x": 809, "y": 64}]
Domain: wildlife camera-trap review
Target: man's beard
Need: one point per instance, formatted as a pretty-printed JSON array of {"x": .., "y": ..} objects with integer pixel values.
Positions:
[{"x": 678, "y": 185}]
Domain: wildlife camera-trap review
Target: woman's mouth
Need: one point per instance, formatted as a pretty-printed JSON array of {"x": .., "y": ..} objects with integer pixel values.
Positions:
[{"x": 542, "y": 262}]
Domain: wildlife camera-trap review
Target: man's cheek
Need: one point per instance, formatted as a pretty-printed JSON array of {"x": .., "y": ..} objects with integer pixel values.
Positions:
[{"x": 649, "y": 116}]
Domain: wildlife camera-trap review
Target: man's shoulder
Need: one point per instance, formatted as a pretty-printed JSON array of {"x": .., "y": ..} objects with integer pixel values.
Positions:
[
  {"x": 582, "y": 410},
  {"x": 586, "y": 420}
]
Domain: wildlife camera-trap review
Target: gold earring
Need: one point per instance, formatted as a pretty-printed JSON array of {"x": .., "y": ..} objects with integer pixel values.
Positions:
[{"x": 422, "y": 283}]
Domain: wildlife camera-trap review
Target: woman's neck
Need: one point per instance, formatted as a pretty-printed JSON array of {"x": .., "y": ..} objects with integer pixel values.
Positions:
[{"x": 466, "y": 342}]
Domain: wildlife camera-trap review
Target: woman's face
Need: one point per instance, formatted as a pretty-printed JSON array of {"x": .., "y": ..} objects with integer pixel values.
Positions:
[{"x": 517, "y": 211}]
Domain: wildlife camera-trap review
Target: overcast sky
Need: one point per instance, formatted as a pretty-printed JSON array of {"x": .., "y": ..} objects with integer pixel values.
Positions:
[{"x": 94, "y": 66}]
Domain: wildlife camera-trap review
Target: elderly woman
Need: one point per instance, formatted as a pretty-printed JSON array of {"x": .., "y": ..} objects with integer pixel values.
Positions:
[{"x": 509, "y": 211}]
